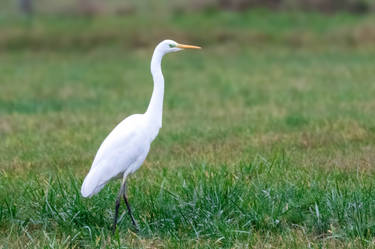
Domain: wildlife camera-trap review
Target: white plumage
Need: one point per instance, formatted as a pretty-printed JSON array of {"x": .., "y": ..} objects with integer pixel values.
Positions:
[
  {"x": 124, "y": 150},
  {"x": 121, "y": 153}
]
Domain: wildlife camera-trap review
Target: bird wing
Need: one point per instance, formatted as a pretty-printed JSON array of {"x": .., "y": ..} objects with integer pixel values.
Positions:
[{"x": 120, "y": 149}]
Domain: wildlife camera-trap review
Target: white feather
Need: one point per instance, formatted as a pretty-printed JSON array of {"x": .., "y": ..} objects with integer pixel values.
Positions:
[
  {"x": 126, "y": 147},
  {"x": 123, "y": 151}
]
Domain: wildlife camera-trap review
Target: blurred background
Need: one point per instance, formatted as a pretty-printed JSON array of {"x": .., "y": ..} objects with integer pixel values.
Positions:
[
  {"x": 88, "y": 23},
  {"x": 93, "y": 7},
  {"x": 277, "y": 66}
]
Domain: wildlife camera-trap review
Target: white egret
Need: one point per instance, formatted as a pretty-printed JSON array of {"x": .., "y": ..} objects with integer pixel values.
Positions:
[{"x": 126, "y": 147}]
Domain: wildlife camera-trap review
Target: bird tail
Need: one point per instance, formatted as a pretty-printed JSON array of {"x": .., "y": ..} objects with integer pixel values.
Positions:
[{"x": 90, "y": 186}]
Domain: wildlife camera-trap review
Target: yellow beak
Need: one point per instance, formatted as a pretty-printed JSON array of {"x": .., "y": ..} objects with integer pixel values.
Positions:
[{"x": 187, "y": 46}]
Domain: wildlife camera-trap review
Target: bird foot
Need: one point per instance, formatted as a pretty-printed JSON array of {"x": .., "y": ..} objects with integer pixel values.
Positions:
[{"x": 135, "y": 225}]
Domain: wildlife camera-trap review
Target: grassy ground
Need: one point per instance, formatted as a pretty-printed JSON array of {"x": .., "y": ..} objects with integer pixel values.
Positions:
[{"x": 268, "y": 137}]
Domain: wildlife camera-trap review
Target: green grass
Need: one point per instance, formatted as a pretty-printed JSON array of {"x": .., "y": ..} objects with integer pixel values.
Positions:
[{"x": 263, "y": 145}]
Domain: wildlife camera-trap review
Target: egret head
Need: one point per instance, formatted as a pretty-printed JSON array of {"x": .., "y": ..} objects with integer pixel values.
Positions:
[{"x": 169, "y": 46}]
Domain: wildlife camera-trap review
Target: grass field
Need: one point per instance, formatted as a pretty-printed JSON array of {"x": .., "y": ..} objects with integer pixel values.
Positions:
[{"x": 268, "y": 137}]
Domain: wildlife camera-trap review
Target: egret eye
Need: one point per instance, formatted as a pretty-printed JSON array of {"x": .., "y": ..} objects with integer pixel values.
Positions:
[{"x": 172, "y": 45}]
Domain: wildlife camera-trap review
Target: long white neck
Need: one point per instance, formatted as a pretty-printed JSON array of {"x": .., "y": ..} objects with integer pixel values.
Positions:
[{"x": 155, "y": 108}]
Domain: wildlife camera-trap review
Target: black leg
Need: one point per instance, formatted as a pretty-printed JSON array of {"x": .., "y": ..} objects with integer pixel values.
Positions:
[
  {"x": 116, "y": 214},
  {"x": 118, "y": 200},
  {"x": 129, "y": 209}
]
